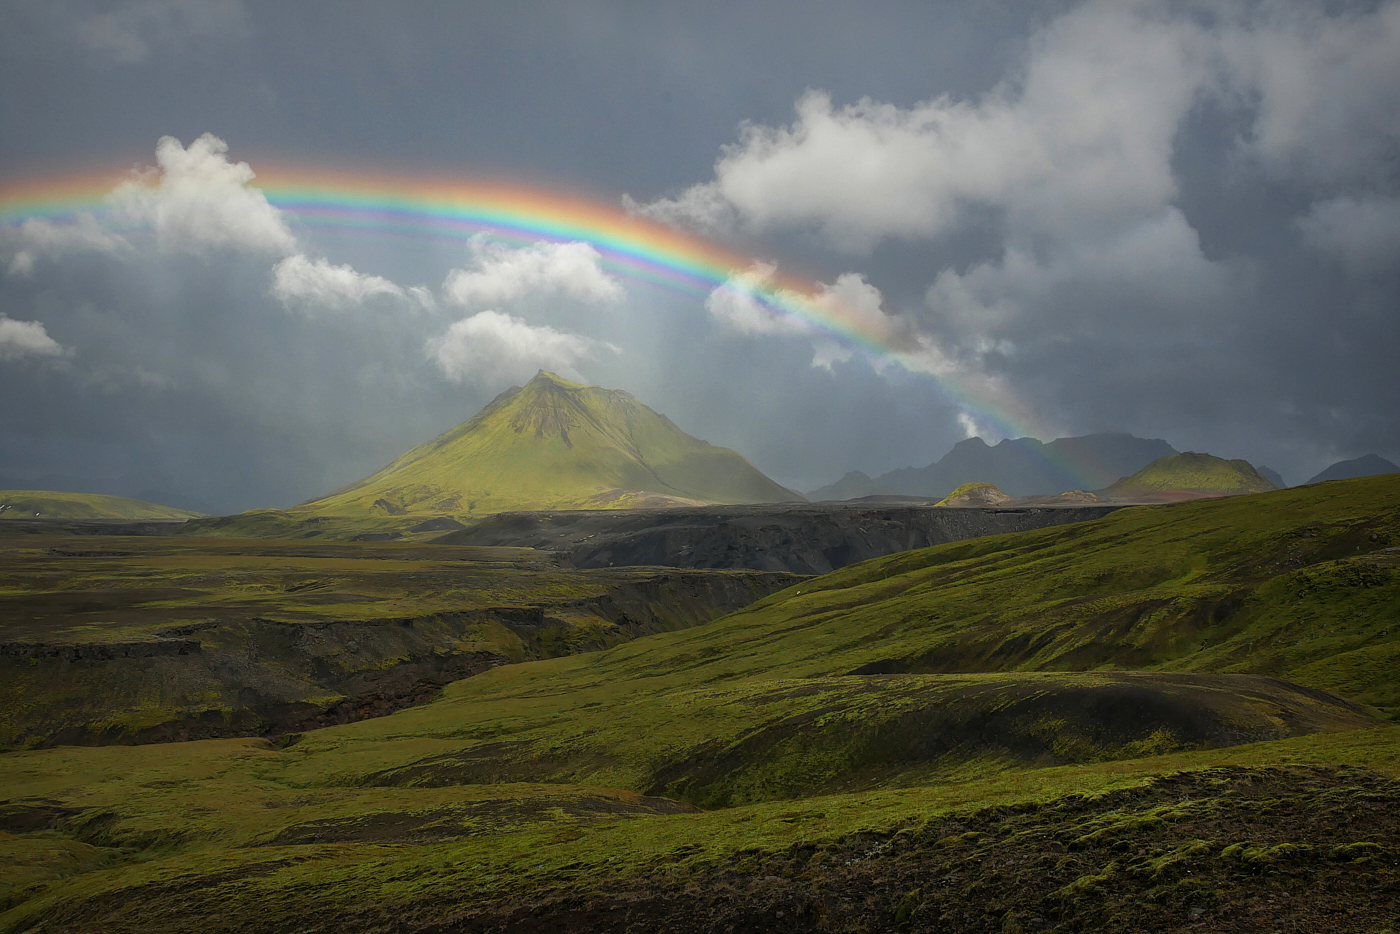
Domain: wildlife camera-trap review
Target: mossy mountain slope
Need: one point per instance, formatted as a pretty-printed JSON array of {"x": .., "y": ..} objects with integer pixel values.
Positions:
[
  {"x": 554, "y": 444},
  {"x": 1192, "y": 472}
]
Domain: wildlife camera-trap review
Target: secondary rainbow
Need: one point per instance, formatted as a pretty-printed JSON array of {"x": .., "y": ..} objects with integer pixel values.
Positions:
[{"x": 445, "y": 207}]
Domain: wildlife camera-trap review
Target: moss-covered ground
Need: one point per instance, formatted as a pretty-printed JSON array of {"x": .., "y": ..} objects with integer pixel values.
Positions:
[{"x": 1170, "y": 719}]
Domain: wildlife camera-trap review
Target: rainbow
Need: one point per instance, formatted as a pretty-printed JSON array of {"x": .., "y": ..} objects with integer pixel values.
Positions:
[{"x": 446, "y": 207}]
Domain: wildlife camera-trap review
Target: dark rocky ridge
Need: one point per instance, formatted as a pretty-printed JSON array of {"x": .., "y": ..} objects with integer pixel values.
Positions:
[
  {"x": 808, "y": 538},
  {"x": 269, "y": 677},
  {"x": 799, "y": 539},
  {"x": 113, "y": 527},
  {"x": 1018, "y": 467}
]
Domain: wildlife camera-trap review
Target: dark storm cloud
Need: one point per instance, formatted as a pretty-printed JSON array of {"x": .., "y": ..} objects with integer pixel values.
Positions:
[
  {"x": 1179, "y": 221},
  {"x": 1099, "y": 306}
]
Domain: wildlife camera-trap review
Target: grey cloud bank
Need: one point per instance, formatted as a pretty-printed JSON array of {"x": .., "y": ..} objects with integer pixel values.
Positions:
[{"x": 1175, "y": 220}]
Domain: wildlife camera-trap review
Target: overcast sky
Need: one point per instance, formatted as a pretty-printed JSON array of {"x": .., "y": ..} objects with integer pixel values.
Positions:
[{"x": 1180, "y": 220}]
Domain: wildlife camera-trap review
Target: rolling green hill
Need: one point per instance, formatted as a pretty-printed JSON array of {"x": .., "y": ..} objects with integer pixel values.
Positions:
[
  {"x": 1163, "y": 718},
  {"x": 46, "y": 504},
  {"x": 554, "y": 444},
  {"x": 1192, "y": 473}
]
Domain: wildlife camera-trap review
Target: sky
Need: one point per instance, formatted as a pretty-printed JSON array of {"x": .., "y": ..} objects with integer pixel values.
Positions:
[{"x": 252, "y": 251}]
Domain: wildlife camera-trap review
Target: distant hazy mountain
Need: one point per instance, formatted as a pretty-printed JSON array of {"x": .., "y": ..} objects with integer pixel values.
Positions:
[
  {"x": 553, "y": 444},
  {"x": 1192, "y": 473},
  {"x": 1367, "y": 466},
  {"x": 1273, "y": 476},
  {"x": 1020, "y": 467},
  {"x": 49, "y": 504},
  {"x": 68, "y": 483},
  {"x": 853, "y": 485}
]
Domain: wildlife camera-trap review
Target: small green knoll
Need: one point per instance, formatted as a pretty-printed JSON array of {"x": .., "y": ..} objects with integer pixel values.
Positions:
[
  {"x": 974, "y": 494},
  {"x": 1190, "y": 473}
]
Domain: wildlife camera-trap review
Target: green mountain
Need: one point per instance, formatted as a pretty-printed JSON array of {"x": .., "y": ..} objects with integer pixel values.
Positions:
[
  {"x": 47, "y": 504},
  {"x": 553, "y": 444},
  {"x": 1192, "y": 473}
]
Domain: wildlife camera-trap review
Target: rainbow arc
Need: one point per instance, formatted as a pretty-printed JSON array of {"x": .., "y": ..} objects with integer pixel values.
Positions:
[{"x": 634, "y": 248}]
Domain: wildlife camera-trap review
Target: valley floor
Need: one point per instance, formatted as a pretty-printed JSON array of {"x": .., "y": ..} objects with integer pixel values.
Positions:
[{"x": 1177, "y": 718}]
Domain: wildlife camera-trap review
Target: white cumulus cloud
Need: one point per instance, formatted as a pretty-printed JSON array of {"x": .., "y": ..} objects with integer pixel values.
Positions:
[
  {"x": 197, "y": 199},
  {"x": 26, "y": 338},
  {"x": 39, "y": 236},
  {"x": 1080, "y": 141},
  {"x": 748, "y": 303},
  {"x": 737, "y": 304},
  {"x": 1087, "y": 129},
  {"x": 500, "y": 273},
  {"x": 492, "y": 348},
  {"x": 298, "y": 280}
]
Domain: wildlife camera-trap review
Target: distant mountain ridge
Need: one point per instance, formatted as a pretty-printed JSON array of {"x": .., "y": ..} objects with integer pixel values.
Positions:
[
  {"x": 555, "y": 444},
  {"x": 51, "y": 504},
  {"x": 1368, "y": 465},
  {"x": 128, "y": 489},
  {"x": 1017, "y": 467}
]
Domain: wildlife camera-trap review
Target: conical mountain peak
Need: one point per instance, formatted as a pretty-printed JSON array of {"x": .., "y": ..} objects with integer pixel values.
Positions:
[
  {"x": 556, "y": 444},
  {"x": 545, "y": 379}
]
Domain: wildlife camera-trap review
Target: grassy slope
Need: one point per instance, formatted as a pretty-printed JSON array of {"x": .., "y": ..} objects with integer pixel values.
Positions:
[
  {"x": 1298, "y": 583},
  {"x": 1231, "y": 587},
  {"x": 29, "y": 504},
  {"x": 1201, "y": 473},
  {"x": 553, "y": 445}
]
